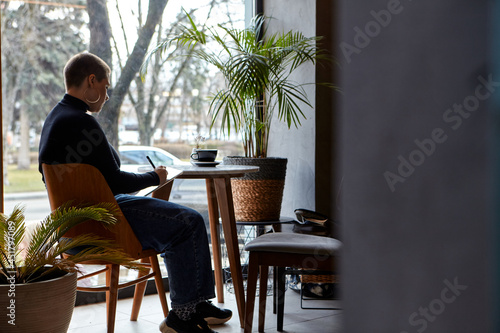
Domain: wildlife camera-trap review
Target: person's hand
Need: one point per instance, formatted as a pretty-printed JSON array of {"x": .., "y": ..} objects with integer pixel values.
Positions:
[{"x": 161, "y": 171}]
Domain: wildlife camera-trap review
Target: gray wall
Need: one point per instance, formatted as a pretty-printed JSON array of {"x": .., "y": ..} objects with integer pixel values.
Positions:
[
  {"x": 414, "y": 141},
  {"x": 298, "y": 145}
]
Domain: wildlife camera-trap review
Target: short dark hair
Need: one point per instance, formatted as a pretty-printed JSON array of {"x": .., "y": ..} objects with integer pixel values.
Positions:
[{"x": 81, "y": 66}]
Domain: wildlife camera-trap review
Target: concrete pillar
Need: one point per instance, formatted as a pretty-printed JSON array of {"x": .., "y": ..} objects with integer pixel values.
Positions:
[
  {"x": 298, "y": 145},
  {"x": 416, "y": 205}
]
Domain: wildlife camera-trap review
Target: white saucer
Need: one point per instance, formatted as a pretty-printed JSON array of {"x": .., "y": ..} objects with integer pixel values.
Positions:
[{"x": 205, "y": 164}]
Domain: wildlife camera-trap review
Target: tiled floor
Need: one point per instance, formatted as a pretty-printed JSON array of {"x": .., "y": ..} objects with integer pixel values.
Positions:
[{"x": 92, "y": 318}]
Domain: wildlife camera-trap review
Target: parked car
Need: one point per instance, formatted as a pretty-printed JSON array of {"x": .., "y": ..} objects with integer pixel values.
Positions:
[
  {"x": 134, "y": 159},
  {"x": 184, "y": 191}
]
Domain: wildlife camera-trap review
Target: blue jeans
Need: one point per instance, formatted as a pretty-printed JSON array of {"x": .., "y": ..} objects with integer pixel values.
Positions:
[{"x": 179, "y": 233}]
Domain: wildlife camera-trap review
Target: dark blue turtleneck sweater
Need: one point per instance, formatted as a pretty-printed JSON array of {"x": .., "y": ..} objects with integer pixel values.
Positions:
[{"x": 70, "y": 135}]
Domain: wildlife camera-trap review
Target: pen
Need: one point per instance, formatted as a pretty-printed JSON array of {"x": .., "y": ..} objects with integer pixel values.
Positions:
[{"x": 151, "y": 162}]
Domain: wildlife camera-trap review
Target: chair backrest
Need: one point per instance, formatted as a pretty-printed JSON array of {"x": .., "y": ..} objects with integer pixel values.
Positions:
[{"x": 83, "y": 183}]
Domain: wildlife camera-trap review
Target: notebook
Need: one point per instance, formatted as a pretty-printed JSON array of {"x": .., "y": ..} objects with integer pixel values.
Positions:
[{"x": 172, "y": 173}]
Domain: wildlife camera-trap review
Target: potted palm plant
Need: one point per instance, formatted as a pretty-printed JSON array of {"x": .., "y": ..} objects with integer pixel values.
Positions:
[
  {"x": 38, "y": 284},
  {"x": 257, "y": 69}
]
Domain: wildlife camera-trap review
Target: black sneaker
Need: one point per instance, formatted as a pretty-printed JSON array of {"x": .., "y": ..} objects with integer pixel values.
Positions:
[
  {"x": 172, "y": 324},
  {"x": 212, "y": 314}
]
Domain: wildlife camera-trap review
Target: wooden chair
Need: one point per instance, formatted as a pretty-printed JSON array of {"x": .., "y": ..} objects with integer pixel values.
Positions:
[
  {"x": 83, "y": 183},
  {"x": 284, "y": 250}
]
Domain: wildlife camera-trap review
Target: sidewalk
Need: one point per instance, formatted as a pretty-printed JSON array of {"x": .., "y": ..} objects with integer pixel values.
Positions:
[
  {"x": 25, "y": 195},
  {"x": 36, "y": 204}
]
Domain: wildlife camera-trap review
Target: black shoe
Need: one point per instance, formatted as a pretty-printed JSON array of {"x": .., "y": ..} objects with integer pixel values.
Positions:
[
  {"x": 212, "y": 314},
  {"x": 173, "y": 324}
]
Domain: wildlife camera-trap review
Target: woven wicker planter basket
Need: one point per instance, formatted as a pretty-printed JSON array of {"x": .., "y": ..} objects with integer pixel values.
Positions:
[
  {"x": 257, "y": 196},
  {"x": 40, "y": 307},
  {"x": 318, "y": 278}
]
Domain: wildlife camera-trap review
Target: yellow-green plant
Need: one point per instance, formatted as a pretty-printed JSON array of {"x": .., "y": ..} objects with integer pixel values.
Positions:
[
  {"x": 256, "y": 67},
  {"x": 42, "y": 258}
]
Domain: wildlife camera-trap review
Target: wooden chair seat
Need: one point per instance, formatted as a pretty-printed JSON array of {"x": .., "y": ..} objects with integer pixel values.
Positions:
[
  {"x": 83, "y": 183},
  {"x": 284, "y": 250}
]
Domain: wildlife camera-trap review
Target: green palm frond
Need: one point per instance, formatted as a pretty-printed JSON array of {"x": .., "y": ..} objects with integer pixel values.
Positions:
[
  {"x": 44, "y": 253},
  {"x": 228, "y": 107},
  {"x": 13, "y": 225},
  {"x": 256, "y": 67},
  {"x": 53, "y": 228},
  {"x": 12, "y": 229},
  {"x": 90, "y": 248}
]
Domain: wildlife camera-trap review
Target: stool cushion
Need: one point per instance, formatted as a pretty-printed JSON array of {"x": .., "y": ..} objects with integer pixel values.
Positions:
[{"x": 295, "y": 243}]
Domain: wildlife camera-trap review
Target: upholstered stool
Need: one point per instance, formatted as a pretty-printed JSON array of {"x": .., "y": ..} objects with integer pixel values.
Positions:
[
  {"x": 284, "y": 250},
  {"x": 247, "y": 231}
]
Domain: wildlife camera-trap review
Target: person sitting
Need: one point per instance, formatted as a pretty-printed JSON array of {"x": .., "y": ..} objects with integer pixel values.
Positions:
[{"x": 71, "y": 134}]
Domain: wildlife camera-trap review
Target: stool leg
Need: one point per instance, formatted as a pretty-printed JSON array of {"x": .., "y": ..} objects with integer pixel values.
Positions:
[
  {"x": 281, "y": 297},
  {"x": 275, "y": 288},
  {"x": 253, "y": 268},
  {"x": 262, "y": 296}
]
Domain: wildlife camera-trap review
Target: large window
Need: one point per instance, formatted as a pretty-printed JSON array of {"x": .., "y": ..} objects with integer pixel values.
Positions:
[
  {"x": 167, "y": 109},
  {"x": 159, "y": 115}
]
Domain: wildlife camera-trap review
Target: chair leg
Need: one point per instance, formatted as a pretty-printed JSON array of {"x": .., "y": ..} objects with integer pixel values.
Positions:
[
  {"x": 159, "y": 284},
  {"x": 112, "y": 275},
  {"x": 275, "y": 288},
  {"x": 253, "y": 268},
  {"x": 262, "y": 296},
  {"x": 281, "y": 297},
  {"x": 139, "y": 293}
]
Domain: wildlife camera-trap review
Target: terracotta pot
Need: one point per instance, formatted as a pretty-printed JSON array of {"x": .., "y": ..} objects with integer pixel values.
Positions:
[
  {"x": 257, "y": 196},
  {"x": 38, "y": 307}
]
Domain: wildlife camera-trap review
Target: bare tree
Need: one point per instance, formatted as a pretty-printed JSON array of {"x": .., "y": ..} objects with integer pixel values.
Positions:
[
  {"x": 153, "y": 99},
  {"x": 35, "y": 42},
  {"x": 111, "y": 111},
  {"x": 100, "y": 30}
]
